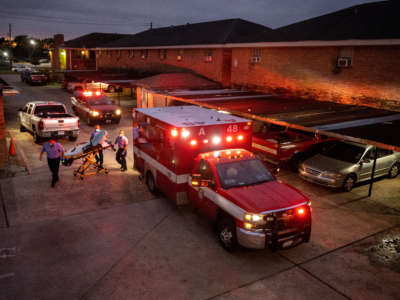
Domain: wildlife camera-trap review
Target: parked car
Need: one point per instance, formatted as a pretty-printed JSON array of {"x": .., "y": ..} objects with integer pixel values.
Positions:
[
  {"x": 282, "y": 146},
  {"x": 33, "y": 77},
  {"x": 48, "y": 119},
  {"x": 345, "y": 163},
  {"x": 19, "y": 67},
  {"x": 95, "y": 107}
]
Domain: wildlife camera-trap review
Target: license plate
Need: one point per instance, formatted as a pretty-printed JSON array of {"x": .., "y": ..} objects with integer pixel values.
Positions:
[
  {"x": 287, "y": 244},
  {"x": 61, "y": 133}
]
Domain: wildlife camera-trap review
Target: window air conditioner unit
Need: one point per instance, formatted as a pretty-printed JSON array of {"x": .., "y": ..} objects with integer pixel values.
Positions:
[
  {"x": 344, "y": 62},
  {"x": 255, "y": 59}
]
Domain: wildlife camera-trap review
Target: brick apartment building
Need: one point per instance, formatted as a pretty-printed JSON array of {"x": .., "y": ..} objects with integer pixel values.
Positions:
[{"x": 349, "y": 56}]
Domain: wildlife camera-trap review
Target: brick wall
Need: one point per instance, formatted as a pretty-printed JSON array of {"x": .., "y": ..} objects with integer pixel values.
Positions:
[
  {"x": 192, "y": 59},
  {"x": 302, "y": 72},
  {"x": 372, "y": 80}
]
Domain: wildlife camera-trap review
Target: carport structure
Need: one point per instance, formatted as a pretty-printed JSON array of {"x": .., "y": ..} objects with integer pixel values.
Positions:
[{"x": 359, "y": 124}]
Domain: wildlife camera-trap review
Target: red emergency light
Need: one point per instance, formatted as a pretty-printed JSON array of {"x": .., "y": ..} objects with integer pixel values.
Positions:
[
  {"x": 301, "y": 211},
  {"x": 193, "y": 142},
  {"x": 88, "y": 93}
]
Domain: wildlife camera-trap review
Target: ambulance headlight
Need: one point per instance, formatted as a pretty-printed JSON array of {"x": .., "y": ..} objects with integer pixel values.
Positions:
[
  {"x": 185, "y": 133},
  {"x": 118, "y": 112},
  {"x": 95, "y": 113},
  {"x": 254, "y": 219}
]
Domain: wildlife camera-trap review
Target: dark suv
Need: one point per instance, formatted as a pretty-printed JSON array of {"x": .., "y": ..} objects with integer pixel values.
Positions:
[
  {"x": 33, "y": 77},
  {"x": 95, "y": 107}
]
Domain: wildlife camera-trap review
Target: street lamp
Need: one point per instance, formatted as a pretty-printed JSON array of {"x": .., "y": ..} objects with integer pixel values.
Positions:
[{"x": 33, "y": 44}]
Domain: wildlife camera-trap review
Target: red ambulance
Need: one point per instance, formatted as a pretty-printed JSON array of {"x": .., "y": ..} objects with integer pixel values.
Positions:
[{"x": 203, "y": 156}]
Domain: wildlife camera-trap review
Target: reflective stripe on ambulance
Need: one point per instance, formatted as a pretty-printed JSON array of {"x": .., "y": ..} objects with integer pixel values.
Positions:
[{"x": 178, "y": 179}]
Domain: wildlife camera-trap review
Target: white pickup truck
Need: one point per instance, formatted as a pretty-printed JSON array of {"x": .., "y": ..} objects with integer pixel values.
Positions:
[{"x": 48, "y": 119}]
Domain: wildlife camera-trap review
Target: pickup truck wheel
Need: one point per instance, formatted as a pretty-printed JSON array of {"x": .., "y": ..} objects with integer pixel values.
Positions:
[
  {"x": 36, "y": 138},
  {"x": 349, "y": 183},
  {"x": 151, "y": 184},
  {"x": 394, "y": 170},
  {"x": 22, "y": 128},
  {"x": 226, "y": 231},
  {"x": 72, "y": 138}
]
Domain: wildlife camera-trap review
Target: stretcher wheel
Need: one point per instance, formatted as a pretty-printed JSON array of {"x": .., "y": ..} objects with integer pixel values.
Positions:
[
  {"x": 75, "y": 172},
  {"x": 81, "y": 177},
  {"x": 106, "y": 171}
]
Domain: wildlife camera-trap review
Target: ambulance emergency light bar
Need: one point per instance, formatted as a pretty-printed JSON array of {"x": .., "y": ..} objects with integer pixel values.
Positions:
[
  {"x": 90, "y": 93},
  {"x": 183, "y": 118}
]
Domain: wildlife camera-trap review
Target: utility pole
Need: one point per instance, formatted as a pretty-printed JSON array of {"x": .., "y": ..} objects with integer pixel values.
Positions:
[{"x": 10, "y": 45}]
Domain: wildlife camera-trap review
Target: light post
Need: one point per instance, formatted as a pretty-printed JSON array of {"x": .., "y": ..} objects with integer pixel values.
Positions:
[{"x": 33, "y": 44}]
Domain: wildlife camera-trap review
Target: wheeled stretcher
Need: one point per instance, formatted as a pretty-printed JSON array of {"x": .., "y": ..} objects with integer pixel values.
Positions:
[{"x": 87, "y": 152}]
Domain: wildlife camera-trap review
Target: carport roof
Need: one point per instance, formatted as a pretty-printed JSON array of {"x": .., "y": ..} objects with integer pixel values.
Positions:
[{"x": 357, "y": 123}]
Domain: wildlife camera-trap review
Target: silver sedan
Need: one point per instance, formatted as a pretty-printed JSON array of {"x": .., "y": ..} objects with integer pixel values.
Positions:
[{"x": 345, "y": 163}]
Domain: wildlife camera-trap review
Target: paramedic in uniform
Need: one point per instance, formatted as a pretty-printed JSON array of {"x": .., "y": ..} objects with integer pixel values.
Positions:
[
  {"x": 122, "y": 143},
  {"x": 99, "y": 158},
  {"x": 55, "y": 151}
]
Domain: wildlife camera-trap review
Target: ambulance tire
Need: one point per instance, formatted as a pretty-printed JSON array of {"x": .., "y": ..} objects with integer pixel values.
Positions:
[
  {"x": 226, "y": 233},
  {"x": 151, "y": 183}
]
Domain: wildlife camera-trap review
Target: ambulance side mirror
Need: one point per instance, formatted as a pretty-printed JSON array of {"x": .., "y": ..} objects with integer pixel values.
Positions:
[{"x": 198, "y": 181}]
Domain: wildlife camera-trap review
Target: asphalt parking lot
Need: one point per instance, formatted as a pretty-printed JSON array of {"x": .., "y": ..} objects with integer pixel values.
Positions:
[{"x": 107, "y": 237}]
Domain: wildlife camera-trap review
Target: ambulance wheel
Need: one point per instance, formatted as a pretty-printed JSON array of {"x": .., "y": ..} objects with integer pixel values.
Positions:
[
  {"x": 151, "y": 184},
  {"x": 226, "y": 231}
]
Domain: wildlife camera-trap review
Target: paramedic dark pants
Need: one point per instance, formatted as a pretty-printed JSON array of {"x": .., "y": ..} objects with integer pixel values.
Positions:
[
  {"x": 99, "y": 158},
  {"x": 120, "y": 157},
  {"x": 54, "y": 165}
]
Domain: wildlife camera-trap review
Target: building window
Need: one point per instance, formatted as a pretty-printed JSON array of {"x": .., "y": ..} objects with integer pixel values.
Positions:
[
  {"x": 131, "y": 54},
  {"x": 256, "y": 56},
  {"x": 345, "y": 57},
  {"x": 143, "y": 54},
  {"x": 162, "y": 53},
  {"x": 208, "y": 55},
  {"x": 76, "y": 54},
  {"x": 179, "y": 57}
]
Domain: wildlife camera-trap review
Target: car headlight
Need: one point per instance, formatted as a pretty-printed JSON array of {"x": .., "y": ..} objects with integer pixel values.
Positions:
[
  {"x": 95, "y": 113},
  {"x": 331, "y": 175},
  {"x": 118, "y": 112},
  {"x": 254, "y": 219}
]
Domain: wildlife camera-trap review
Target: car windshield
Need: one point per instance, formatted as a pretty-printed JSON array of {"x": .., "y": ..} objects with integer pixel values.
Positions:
[
  {"x": 41, "y": 110},
  {"x": 101, "y": 100},
  {"x": 243, "y": 172},
  {"x": 345, "y": 152}
]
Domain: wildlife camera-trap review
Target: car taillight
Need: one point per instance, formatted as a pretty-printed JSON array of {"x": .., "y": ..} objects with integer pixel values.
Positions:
[{"x": 41, "y": 125}]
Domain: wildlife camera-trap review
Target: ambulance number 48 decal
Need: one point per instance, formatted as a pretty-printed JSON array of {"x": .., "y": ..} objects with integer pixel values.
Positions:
[{"x": 232, "y": 128}]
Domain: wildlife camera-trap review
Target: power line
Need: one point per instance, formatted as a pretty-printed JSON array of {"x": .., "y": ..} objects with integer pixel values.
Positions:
[{"x": 48, "y": 19}]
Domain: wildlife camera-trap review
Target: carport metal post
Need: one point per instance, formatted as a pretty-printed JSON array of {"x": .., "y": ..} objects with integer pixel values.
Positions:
[{"x": 373, "y": 172}]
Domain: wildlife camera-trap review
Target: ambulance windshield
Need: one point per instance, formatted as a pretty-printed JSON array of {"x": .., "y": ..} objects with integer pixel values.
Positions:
[{"x": 243, "y": 173}]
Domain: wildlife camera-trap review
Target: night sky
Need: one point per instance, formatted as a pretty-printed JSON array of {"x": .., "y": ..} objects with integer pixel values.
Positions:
[{"x": 44, "y": 18}]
